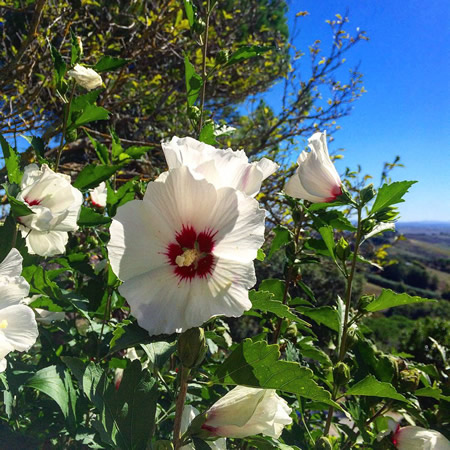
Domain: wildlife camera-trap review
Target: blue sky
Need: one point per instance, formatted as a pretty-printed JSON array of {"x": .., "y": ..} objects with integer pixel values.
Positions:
[{"x": 406, "y": 110}]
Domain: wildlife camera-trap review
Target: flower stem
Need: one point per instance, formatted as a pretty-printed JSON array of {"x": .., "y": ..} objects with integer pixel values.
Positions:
[
  {"x": 63, "y": 135},
  {"x": 348, "y": 298},
  {"x": 180, "y": 406},
  {"x": 204, "y": 74}
]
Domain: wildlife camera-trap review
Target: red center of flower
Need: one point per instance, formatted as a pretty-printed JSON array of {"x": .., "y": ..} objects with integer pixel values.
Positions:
[
  {"x": 32, "y": 202},
  {"x": 335, "y": 193},
  {"x": 191, "y": 255}
]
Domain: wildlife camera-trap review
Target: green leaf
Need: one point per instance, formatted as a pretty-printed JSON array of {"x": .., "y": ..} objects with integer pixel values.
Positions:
[
  {"x": 109, "y": 63},
  {"x": 58, "y": 64},
  {"x": 190, "y": 12},
  {"x": 246, "y": 52},
  {"x": 12, "y": 161},
  {"x": 90, "y": 218},
  {"x": 38, "y": 146},
  {"x": 257, "y": 364},
  {"x": 194, "y": 82},
  {"x": 50, "y": 381},
  {"x": 75, "y": 51},
  {"x": 92, "y": 175},
  {"x": 371, "y": 387},
  {"x": 90, "y": 113},
  {"x": 282, "y": 237},
  {"x": 158, "y": 353},
  {"x": 100, "y": 149},
  {"x": 276, "y": 287},
  {"x": 207, "y": 134},
  {"x": 80, "y": 102},
  {"x": 260, "y": 256},
  {"x": 328, "y": 237},
  {"x": 390, "y": 194},
  {"x": 7, "y": 232},
  {"x": 136, "y": 152},
  {"x": 18, "y": 208},
  {"x": 126, "y": 416},
  {"x": 433, "y": 392},
  {"x": 123, "y": 195},
  {"x": 323, "y": 315},
  {"x": 389, "y": 299},
  {"x": 263, "y": 301}
]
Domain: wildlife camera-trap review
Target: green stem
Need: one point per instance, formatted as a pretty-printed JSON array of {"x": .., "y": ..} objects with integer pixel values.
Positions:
[
  {"x": 63, "y": 135},
  {"x": 348, "y": 298},
  {"x": 204, "y": 74},
  {"x": 180, "y": 406}
]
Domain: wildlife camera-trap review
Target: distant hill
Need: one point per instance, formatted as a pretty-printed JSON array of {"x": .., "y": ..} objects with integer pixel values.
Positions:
[{"x": 426, "y": 227}]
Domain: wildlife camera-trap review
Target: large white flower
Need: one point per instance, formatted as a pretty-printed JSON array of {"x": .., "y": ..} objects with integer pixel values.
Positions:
[
  {"x": 189, "y": 413},
  {"x": 56, "y": 206},
  {"x": 220, "y": 167},
  {"x": 85, "y": 77},
  {"x": 316, "y": 178},
  {"x": 99, "y": 195},
  {"x": 418, "y": 438},
  {"x": 185, "y": 252},
  {"x": 246, "y": 411},
  {"x": 18, "y": 328}
]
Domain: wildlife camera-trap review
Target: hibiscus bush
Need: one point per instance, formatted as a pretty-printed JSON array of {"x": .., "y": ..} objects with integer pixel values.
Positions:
[{"x": 131, "y": 313}]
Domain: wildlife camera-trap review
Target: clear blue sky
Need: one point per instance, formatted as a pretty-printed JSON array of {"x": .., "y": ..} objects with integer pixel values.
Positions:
[{"x": 406, "y": 109}]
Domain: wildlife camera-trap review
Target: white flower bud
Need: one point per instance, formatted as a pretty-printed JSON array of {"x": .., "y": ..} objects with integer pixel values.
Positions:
[{"x": 85, "y": 77}]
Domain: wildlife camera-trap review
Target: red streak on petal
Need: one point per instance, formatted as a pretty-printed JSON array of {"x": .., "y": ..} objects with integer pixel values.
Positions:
[
  {"x": 32, "y": 202},
  {"x": 209, "y": 428},
  {"x": 335, "y": 193}
]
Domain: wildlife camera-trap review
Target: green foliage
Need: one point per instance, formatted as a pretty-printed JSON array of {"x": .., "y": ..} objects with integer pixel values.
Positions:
[
  {"x": 92, "y": 175},
  {"x": 371, "y": 387},
  {"x": 390, "y": 194},
  {"x": 256, "y": 364},
  {"x": 11, "y": 161},
  {"x": 389, "y": 299}
]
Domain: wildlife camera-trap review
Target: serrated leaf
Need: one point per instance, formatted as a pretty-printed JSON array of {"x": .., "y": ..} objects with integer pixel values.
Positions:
[
  {"x": 158, "y": 353},
  {"x": 7, "y": 233},
  {"x": 80, "y": 102},
  {"x": 90, "y": 113},
  {"x": 264, "y": 301},
  {"x": 12, "y": 161},
  {"x": 100, "y": 149},
  {"x": 207, "y": 134},
  {"x": 390, "y": 194},
  {"x": 194, "y": 82},
  {"x": 432, "y": 392},
  {"x": 282, "y": 237},
  {"x": 322, "y": 315},
  {"x": 136, "y": 152},
  {"x": 109, "y": 63},
  {"x": 92, "y": 175},
  {"x": 58, "y": 64},
  {"x": 50, "y": 381},
  {"x": 389, "y": 299},
  {"x": 257, "y": 364},
  {"x": 90, "y": 218},
  {"x": 246, "y": 52},
  {"x": 38, "y": 146},
  {"x": 371, "y": 387}
]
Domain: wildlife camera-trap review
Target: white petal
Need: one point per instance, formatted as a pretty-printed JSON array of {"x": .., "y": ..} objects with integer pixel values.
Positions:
[
  {"x": 139, "y": 238},
  {"x": 380, "y": 228},
  {"x": 13, "y": 290},
  {"x": 47, "y": 317},
  {"x": 294, "y": 188},
  {"x": 418, "y": 438},
  {"x": 11, "y": 266},
  {"x": 240, "y": 224},
  {"x": 3, "y": 365},
  {"x": 46, "y": 243},
  {"x": 5, "y": 346},
  {"x": 21, "y": 328}
]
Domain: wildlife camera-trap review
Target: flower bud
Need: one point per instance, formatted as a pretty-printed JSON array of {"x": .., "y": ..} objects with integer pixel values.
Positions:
[
  {"x": 365, "y": 301},
  {"x": 323, "y": 443},
  {"x": 409, "y": 380},
  {"x": 342, "y": 249},
  {"x": 291, "y": 331},
  {"x": 367, "y": 194},
  {"x": 192, "y": 347},
  {"x": 341, "y": 374},
  {"x": 352, "y": 337},
  {"x": 222, "y": 56}
]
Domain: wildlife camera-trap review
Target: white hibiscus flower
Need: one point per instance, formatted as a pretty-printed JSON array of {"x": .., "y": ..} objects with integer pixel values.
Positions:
[
  {"x": 185, "y": 252},
  {"x": 56, "y": 206},
  {"x": 18, "y": 328},
  {"x": 85, "y": 77},
  {"x": 220, "y": 167},
  {"x": 316, "y": 178},
  {"x": 99, "y": 195}
]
